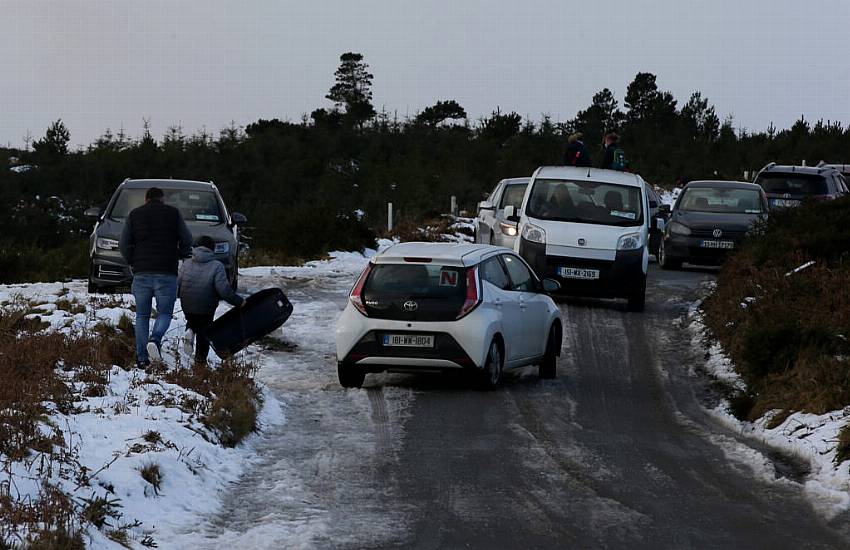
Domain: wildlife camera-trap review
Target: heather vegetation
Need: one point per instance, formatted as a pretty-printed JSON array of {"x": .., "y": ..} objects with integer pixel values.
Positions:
[
  {"x": 322, "y": 183},
  {"x": 782, "y": 311}
]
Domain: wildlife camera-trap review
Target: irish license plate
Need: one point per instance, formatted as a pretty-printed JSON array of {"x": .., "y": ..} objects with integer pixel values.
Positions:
[
  {"x": 727, "y": 245},
  {"x": 784, "y": 203},
  {"x": 578, "y": 273},
  {"x": 409, "y": 340}
]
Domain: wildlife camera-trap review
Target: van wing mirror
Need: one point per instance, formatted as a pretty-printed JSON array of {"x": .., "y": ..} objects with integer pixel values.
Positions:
[
  {"x": 511, "y": 213},
  {"x": 486, "y": 205},
  {"x": 93, "y": 212},
  {"x": 238, "y": 219},
  {"x": 664, "y": 209}
]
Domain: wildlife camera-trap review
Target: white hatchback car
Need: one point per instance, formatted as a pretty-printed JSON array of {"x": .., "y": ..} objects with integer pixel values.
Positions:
[{"x": 425, "y": 307}]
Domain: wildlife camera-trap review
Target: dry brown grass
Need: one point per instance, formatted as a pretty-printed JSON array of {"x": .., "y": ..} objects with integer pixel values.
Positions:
[
  {"x": 432, "y": 229},
  {"x": 233, "y": 397},
  {"x": 790, "y": 343}
]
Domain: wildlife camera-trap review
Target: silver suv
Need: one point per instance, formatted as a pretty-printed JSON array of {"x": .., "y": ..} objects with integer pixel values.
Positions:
[{"x": 201, "y": 206}]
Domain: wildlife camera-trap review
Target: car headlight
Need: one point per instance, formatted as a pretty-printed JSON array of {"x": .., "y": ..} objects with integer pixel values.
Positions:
[
  {"x": 533, "y": 233},
  {"x": 106, "y": 244},
  {"x": 222, "y": 248},
  {"x": 508, "y": 229},
  {"x": 679, "y": 228},
  {"x": 630, "y": 241}
]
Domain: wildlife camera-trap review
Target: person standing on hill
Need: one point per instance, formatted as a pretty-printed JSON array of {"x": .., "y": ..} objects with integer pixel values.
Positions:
[
  {"x": 202, "y": 283},
  {"x": 154, "y": 239},
  {"x": 614, "y": 157},
  {"x": 576, "y": 153}
]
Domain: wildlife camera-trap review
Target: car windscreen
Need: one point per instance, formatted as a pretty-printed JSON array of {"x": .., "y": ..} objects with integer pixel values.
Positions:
[
  {"x": 586, "y": 202},
  {"x": 196, "y": 206},
  {"x": 793, "y": 184},
  {"x": 513, "y": 196},
  {"x": 721, "y": 200}
]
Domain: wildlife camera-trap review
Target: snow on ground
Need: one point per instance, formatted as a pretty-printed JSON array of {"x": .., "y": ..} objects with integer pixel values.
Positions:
[
  {"x": 107, "y": 434},
  {"x": 806, "y": 436},
  {"x": 669, "y": 197}
]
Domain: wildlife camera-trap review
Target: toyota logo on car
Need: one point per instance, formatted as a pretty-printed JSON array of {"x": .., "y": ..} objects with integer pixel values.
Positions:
[{"x": 410, "y": 305}]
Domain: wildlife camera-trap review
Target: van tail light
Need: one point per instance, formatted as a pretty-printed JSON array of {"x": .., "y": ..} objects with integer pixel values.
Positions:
[
  {"x": 824, "y": 197},
  {"x": 473, "y": 292},
  {"x": 356, "y": 295}
]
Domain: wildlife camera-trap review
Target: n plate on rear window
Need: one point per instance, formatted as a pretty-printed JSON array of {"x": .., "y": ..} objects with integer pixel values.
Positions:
[{"x": 409, "y": 340}]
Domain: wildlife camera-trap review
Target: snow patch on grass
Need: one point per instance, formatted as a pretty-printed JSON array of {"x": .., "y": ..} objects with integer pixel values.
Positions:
[{"x": 810, "y": 437}]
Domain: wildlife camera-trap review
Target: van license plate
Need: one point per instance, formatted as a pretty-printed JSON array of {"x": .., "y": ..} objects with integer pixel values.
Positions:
[
  {"x": 409, "y": 340},
  {"x": 578, "y": 273},
  {"x": 728, "y": 245}
]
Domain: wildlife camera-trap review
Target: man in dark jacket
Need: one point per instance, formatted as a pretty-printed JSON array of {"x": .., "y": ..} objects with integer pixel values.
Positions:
[
  {"x": 154, "y": 239},
  {"x": 576, "y": 153},
  {"x": 202, "y": 282}
]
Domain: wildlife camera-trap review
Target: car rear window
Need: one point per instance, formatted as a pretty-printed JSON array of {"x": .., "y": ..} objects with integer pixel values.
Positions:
[
  {"x": 721, "y": 200},
  {"x": 793, "y": 184},
  {"x": 438, "y": 291}
]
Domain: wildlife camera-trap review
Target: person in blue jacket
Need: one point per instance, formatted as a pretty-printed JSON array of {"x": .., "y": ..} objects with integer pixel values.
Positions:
[{"x": 202, "y": 283}]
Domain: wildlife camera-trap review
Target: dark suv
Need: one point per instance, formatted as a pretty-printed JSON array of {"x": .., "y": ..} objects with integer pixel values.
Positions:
[
  {"x": 201, "y": 206},
  {"x": 788, "y": 186}
]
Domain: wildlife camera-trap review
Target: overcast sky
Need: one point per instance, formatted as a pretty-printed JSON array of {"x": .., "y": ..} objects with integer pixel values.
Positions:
[{"x": 109, "y": 63}]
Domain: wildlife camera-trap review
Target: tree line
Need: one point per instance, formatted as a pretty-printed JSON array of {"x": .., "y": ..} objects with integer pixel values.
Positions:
[{"x": 322, "y": 182}]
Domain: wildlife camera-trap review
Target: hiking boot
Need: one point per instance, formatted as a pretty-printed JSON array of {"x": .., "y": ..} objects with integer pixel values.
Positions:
[
  {"x": 143, "y": 365},
  {"x": 153, "y": 352}
]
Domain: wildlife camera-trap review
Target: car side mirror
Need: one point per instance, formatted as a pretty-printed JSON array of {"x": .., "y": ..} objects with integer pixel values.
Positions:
[
  {"x": 238, "y": 219},
  {"x": 664, "y": 209},
  {"x": 511, "y": 213},
  {"x": 551, "y": 285},
  {"x": 653, "y": 204},
  {"x": 486, "y": 205},
  {"x": 93, "y": 212}
]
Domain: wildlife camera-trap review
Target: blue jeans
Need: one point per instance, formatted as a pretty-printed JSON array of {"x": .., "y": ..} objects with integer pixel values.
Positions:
[{"x": 147, "y": 287}]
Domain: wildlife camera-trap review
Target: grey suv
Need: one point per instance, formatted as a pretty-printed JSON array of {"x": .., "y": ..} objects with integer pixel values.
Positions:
[
  {"x": 201, "y": 206},
  {"x": 789, "y": 186}
]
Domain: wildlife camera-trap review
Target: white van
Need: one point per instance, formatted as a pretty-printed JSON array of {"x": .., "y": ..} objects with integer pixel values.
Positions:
[{"x": 587, "y": 228}]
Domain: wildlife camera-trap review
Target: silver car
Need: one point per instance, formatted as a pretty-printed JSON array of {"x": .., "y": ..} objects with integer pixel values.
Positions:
[
  {"x": 201, "y": 206},
  {"x": 491, "y": 225}
]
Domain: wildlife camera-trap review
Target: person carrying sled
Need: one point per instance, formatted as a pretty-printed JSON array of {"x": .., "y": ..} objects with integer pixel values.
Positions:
[
  {"x": 202, "y": 283},
  {"x": 576, "y": 153},
  {"x": 614, "y": 157}
]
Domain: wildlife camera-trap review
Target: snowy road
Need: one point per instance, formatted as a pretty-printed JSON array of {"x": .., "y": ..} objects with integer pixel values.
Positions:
[{"x": 617, "y": 452}]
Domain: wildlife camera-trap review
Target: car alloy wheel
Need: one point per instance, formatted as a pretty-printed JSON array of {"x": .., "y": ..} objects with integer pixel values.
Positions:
[{"x": 493, "y": 367}]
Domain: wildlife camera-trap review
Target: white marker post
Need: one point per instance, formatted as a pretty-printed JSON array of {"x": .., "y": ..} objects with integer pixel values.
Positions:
[
  {"x": 454, "y": 206},
  {"x": 389, "y": 216}
]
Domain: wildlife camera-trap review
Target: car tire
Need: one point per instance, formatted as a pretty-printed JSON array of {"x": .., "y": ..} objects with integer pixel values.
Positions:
[
  {"x": 350, "y": 376},
  {"x": 491, "y": 376},
  {"x": 637, "y": 301},
  {"x": 547, "y": 369},
  {"x": 666, "y": 261}
]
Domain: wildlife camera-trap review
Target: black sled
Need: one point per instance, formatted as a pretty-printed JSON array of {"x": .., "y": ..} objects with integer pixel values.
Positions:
[{"x": 240, "y": 327}]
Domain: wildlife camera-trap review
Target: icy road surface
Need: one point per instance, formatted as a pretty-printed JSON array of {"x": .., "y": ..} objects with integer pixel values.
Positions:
[{"x": 617, "y": 452}]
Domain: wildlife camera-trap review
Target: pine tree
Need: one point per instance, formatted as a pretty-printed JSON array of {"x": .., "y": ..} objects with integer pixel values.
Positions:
[{"x": 353, "y": 88}]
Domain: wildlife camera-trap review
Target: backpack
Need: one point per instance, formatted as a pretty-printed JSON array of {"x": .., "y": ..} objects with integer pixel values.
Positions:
[{"x": 619, "y": 161}]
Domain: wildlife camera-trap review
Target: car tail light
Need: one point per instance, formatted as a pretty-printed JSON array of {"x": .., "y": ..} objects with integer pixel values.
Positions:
[
  {"x": 411, "y": 259},
  {"x": 356, "y": 295},
  {"x": 473, "y": 293},
  {"x": 824, "y": 197}
]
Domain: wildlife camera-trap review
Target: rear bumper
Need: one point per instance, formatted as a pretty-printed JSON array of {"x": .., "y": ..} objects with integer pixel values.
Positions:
[
  {"x": 619, "y": 278},
  {"x": 370, "y": 353},
  {"x": 690, "y": 250}
]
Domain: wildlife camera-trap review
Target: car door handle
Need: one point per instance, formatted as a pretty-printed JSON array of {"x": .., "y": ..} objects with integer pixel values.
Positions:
[
  {"x": 522, "y": 304},
  {"x": 497, "y": 302}
]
